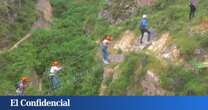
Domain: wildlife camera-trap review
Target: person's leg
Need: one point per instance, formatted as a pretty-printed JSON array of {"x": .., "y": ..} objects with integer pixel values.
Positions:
[
  {"x": 102, "y": 51},
  {"x": 22, "y": 92},
  {"x": 51, "y": 86},
  {"x": 142, "y": 35},
  {"x": 105, "y": 54},
  {"x": 149, "y": 34},
  {"x": 18, "y": 92},
  {"x": 53, "y": 82},
  {"x": 194, "y": 11},
  {"x": 56, "y": 81},
  {"x": 190, "y": 12}
]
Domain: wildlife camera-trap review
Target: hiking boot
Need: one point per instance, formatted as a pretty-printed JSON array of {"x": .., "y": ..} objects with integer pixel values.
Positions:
[{"x": 106, "y": 62}]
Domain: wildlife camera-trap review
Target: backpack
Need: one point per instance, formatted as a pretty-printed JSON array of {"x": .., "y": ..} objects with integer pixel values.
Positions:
[{"x": 143, "y": 23}]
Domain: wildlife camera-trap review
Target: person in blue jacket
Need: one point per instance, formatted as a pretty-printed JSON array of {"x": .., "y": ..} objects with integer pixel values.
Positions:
[{"x": 144, "y": 27}]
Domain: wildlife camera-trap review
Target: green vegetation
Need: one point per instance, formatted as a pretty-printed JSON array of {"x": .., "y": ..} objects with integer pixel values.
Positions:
[
  {"x": 131, "y": 73},
  {"x": 169, "y": 16},
  {"x": 120, "y": 85},
  {"x": 16, "y": 17},
  {"x": 183, "y": 81},
  {"x": 66, "y": 42},
  {"x": 71, "y": 40}
]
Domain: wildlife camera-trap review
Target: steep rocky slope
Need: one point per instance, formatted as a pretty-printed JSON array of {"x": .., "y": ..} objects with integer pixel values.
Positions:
[{"x": 174, "y": 62}]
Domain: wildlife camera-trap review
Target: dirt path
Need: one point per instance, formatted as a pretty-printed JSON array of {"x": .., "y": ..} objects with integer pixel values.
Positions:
[{"x": 45, "y": 18}]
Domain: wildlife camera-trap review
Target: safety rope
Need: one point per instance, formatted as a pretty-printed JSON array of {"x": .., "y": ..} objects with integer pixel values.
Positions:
[{"x": 76, "y": 59}]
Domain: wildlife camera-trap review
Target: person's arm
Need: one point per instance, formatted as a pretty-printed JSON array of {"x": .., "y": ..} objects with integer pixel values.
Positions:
[{"x": 57, "y": 69}]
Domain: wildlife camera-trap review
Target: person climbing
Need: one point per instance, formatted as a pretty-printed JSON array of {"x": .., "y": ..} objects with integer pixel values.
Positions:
[
  {"x": 192, "y": 5},
  {"x": 104, "y": 44},
  {"x": 144, "y": 27},
  {"x": 21, "y": 85},
  {"x": 55, "y": 68}
]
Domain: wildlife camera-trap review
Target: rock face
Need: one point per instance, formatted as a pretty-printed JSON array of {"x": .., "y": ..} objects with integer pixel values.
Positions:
[
  {"x": 118, "y": 58},
  {"x": 45, "y": 14},
  {"x": 117, "y": 11},
  {"x": 107, "y": 75},
  {"x": 130, "y": 42},
  {"x": 151, "y": 85},
  {"x": 200, "y": 54},
  {"x": 125, "y": 43},
  {"x": 145, "y": 2},
  {"x": 171, "y": 54},
  {"x": 165, "y": 49},
  {"x": 159, "y": 45}
]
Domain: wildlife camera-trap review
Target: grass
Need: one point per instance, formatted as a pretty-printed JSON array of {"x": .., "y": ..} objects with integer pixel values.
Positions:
[
  {"x": 131, "y": 72},
  {"x": 16, "y": 20},
  {"x": 76, "y": 27}
]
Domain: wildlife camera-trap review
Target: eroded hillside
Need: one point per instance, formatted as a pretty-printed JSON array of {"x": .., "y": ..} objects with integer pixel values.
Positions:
[{"x": 174, "y": 62}]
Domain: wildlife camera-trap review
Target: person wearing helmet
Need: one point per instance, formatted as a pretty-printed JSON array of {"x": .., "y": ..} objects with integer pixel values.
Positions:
[
  {"x": 21, "y": 85},
  {"x": 192, "y": 5},
  {"x": 104, "y": 47},
  {"x": 55, "y": 68},
  {"x": 144, "y": 27}
]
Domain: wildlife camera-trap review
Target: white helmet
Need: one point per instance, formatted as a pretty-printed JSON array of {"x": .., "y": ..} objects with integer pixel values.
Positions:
[{"x": 144, "y": 16}]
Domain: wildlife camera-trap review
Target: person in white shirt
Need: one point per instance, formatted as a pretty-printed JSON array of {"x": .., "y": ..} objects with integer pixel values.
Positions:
[{"x": 55, "y": 68}]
